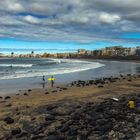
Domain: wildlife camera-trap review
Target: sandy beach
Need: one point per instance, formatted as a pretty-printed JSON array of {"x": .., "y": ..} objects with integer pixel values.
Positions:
[{"x": 26, "y": 110}]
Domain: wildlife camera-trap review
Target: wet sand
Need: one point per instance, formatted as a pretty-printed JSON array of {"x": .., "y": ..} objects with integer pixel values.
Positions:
[
  {"x": 68, "y": 92},
  {"x": 28, "y": 106}
]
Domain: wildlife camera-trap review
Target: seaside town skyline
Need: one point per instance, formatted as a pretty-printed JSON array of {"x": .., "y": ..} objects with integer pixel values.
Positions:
[
  {"x": 52, "y": 47},
  {"x": 112, "y": 51}
]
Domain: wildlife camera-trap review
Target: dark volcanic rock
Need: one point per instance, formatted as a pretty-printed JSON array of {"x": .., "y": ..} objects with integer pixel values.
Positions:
[
  {"x": 72, "y": 131},
  {"x": 22, "y": 134},
  {"x": 49, "y": 117},
  {"x": 55, "y": 137},
  {"x": 50, "y": 107},
  {"x": 104, "y": 128},
  {"x": 100, "y": 86},
  {"x": 64, "y": 128},
  {"x": 37, "y": 137},
  {"x": 16, "y": 131},
  {"x": 8, "y": 105},
  {"x": 7, "y": 97},
  {"x": 54, "y": 91},
  {"x": 106, "y": 120},
  {"x": 64, "y": 88},
  {"x": 83, "y": 134},
  {"x": 9, "y": 120},
  {"x": 46, "y": 92},
  {"x": 29, "y": 90},
  {"x": 26, "y": 94}
]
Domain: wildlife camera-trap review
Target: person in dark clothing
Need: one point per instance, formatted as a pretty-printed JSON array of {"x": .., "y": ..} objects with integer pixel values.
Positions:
[
  {"x": 43, "y": 81},
  {"x": 43, "y": 78}
]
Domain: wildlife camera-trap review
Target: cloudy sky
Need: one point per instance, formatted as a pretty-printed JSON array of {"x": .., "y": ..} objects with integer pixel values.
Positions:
[{"x": 66, "y": 25}]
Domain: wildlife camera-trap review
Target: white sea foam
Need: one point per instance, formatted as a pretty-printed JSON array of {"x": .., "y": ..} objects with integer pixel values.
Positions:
[
  {"x": 16, "y": 65},
  {"x": 72, "y": 66}
]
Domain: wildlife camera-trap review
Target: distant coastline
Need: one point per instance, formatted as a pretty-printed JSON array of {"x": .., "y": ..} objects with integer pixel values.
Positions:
[{"x": 117, "y": 58}]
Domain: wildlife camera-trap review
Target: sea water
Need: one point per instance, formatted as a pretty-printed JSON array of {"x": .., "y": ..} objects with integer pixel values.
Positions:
[
  {"x": 25, "y": 67},
  {"x": 24, "y": 73}
]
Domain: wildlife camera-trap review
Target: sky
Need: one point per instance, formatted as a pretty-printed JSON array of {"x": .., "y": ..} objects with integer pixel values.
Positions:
[{"x": 66, "y": 25}]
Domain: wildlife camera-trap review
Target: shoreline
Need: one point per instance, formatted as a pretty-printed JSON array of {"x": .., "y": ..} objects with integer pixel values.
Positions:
[
  {"x": 29, "y": 107},
  {"x": 111, "y": 68},
  {"x": 95, "y": 83},
  {"x": 108, "y": 58},
  {"x": 119, "y": 59}
]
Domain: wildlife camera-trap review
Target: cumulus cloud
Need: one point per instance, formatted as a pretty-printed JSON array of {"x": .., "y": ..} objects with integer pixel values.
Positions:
[
  {"x": 74, "y": 20},
  {"x": 15, "y": 7},
  {"x": 11, "y": 6},
  {"x": 109, "y": 18},
  {"x": 31, "y": 19}
]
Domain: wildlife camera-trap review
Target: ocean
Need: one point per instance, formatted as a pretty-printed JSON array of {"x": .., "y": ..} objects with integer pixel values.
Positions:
[
  {"x": 24, "y": 67},
  {"x": 23, "y": 73}
]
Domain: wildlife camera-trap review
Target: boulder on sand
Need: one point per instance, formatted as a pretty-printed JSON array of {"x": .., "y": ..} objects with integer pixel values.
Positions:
[
  {"x": 16, "y": 131},
  {"x": 9, "y": 120}
]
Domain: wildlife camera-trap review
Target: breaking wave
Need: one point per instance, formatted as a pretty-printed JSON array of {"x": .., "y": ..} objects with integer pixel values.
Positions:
[
  {"x": 16, "y": 65},
  {"x": 61, "y": 66}
]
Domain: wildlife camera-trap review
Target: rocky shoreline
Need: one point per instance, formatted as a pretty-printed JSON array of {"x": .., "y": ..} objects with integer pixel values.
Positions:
[{"x": 106, "y": 120}]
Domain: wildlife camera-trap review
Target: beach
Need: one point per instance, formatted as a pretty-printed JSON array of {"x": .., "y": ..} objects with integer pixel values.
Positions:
[
  {"x": 69, "y": 70},
  {"x": 53, "y": 113},
  {"x": 27, "y": 72}
]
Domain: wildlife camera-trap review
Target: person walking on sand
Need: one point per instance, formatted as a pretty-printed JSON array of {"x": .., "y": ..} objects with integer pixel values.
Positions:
[{"x": 43, "y": 79}]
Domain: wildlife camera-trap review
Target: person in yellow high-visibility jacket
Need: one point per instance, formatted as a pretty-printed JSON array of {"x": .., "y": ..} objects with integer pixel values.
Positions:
[
  {"x": 52, "y": 80},
  {"x": 131, "y": 104}
]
